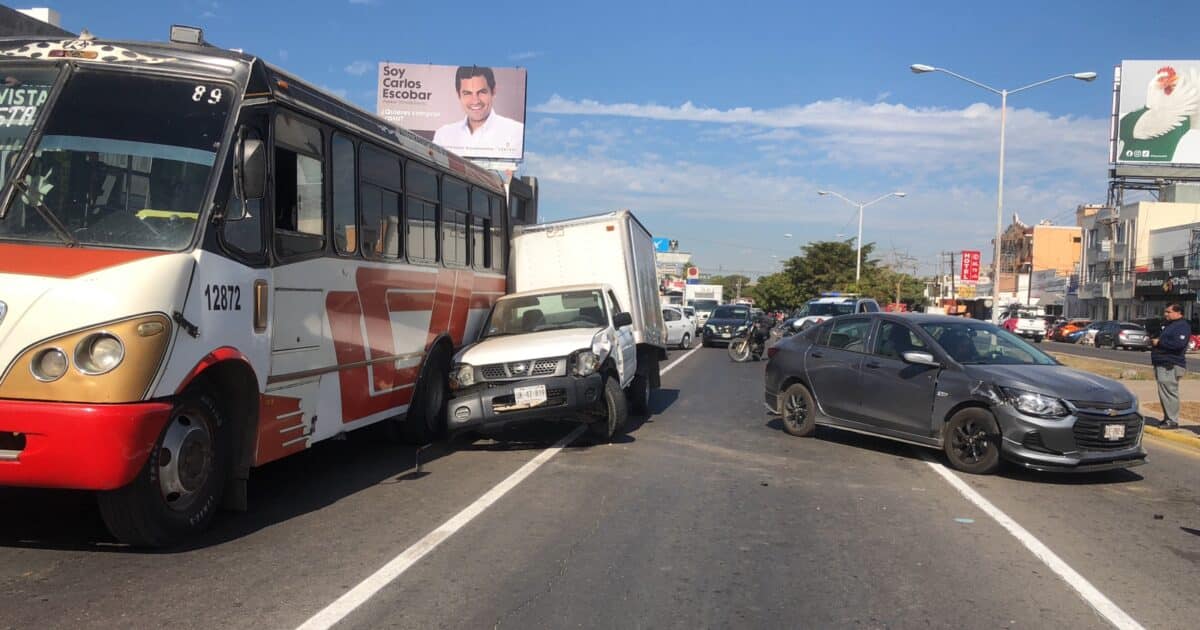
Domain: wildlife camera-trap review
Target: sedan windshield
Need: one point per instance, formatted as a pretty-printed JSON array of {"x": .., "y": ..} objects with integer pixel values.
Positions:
[
  {"x": 124, "y": 161},
  {"x": 978, "y": 343},
  {"x": 731, "y": 312},
  {"x": 552, "y": 311}
]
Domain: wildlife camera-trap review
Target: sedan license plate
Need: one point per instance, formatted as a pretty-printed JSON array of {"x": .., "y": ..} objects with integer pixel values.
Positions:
[
  {"x": 531, "y": 396},
  {"x": 725, "y": 335},
  {"x": 1114, "y": 432}
]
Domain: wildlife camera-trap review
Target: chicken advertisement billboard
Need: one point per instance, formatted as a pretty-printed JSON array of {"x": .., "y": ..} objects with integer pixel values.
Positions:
[
  {"x": 1158, "y": 113},
  {"x": 474, "y": 111}
]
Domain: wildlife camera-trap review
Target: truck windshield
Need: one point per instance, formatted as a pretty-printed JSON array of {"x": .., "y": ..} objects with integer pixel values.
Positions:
[
  {"x": 552, "y": 311},
  {"x": 704, "y": 306},
  {"x": 124, "y": 160}
]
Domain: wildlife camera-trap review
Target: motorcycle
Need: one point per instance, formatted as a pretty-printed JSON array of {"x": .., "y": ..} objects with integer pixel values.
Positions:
[{"x": 751, "y": 345}]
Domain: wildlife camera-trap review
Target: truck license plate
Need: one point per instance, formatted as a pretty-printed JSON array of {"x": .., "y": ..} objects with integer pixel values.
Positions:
[
  {"x": 535, "y": 395},
  {"x": 1114, "y": 431}
]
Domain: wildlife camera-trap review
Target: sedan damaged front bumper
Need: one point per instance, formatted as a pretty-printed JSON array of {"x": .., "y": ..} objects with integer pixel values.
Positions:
[{"x": 1087, "y": 441}]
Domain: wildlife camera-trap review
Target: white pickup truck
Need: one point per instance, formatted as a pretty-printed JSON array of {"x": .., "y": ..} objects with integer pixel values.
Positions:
[
  {"x": 565, "y": 353},
  {"x": 1026, "y": 323},
  {"x": 580, "y": 339}
]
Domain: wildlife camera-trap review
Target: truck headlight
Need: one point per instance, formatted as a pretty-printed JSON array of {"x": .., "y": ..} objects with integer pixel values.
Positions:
[
  {"x": 585, "y": 364},
  {"x": 1036, "y": 404},
  {"x": 99, "y": 354},
  {"x": 462, "y": 375},
  {"x": 742, "y": 328}
]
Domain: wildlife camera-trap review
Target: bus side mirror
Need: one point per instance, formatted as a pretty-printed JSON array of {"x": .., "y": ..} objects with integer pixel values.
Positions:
[{"x": 251, "y": 168}]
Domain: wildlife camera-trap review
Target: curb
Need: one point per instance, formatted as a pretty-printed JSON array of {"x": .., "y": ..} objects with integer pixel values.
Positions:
[{"x": 1179, "y": 436}]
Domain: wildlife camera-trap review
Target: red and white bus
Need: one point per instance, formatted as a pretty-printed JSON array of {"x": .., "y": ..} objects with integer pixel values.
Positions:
[{"x": 207, "y": 264}]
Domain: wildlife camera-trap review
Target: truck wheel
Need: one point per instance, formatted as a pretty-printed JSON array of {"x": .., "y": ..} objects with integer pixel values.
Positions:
[
  {"x": 797, "y": 410},
  {"x": 686, "y": 342},
  {"x": 426, "y": 415},
  {"x": 178, "y": 491},
  {"x": 971, "y": 441},
  {"x": 612, "y": 412}
]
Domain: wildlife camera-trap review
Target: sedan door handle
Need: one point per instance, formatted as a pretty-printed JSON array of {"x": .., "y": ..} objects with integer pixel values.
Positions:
[
  {"x": 817, "y": 355},
  {"x": 873, "y": 364}
]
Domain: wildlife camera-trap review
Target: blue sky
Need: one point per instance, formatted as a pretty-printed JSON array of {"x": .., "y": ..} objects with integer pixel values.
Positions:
[{"x": 717, "y": 122}]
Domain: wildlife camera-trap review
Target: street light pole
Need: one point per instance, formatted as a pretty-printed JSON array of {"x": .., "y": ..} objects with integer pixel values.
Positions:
[
  {"x": 860, "y": 206},
  {"x": 920, "y": 68}
]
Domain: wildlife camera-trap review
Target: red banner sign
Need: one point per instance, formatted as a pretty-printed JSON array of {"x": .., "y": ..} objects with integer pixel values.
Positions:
[{"x": 969, "y": 270}]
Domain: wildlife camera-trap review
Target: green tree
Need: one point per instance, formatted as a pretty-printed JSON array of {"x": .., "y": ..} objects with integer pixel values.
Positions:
[
  {"x": 828, "y": 266},
  {"x": 729, "y": 284},
  {"x": 776, "y": 291}
]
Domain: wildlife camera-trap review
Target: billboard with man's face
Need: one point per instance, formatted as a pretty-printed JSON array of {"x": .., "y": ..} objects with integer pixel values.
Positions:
[
  {"x": 1159, "y": 113},
  {"x": 474, "y": 111}
]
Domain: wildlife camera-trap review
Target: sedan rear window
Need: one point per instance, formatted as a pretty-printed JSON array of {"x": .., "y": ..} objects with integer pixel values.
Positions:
[{"x": 1131, "y": 327}]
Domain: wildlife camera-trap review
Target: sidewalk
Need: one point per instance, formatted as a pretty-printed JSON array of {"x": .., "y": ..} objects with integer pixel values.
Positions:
[{"x": 1189, "y": 422}]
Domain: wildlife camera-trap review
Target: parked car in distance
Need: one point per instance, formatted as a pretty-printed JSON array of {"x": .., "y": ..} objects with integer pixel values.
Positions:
[
  {"x": 1122, "y": 335},
  {"x": 681, "y": 329},
  {"x": 833, "y": 304},
  {"x": 1072, "y": 325},
  {"x": 1088, "y": 336},
  {"x": 1025, "y": 323},
  {"x": 967, "y": 387},
  {"x": 726, "y": 323}
]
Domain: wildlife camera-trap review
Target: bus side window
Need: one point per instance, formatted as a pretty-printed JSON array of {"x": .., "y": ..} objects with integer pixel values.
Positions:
[
  {"x": 479, "y": 230},
  {"x": 499, "y": 235},
  {"x": 344, "y": 179},
  {"x": 455, "y": 202},
  {"x": 421, "y": 202},
  {"x": 380, "y": 187},
  {"x": 299, "y": 187}
]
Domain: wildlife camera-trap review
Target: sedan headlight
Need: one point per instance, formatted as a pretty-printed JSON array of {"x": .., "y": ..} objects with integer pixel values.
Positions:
[
  {"x": 462, "y": 375},
  {"x": 585, "y": 364},
  {"x": 99, "y": 353},
  {"x": 1036, "y": 404}
]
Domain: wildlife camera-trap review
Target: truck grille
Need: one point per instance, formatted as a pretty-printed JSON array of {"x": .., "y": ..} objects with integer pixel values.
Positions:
[
  {"x": 522, "y": 369},
  {"x": 1089, "y": 431}
]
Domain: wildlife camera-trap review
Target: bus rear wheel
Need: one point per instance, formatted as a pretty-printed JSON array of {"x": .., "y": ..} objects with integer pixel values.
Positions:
[
  {"x": 426, "y": 417},
  {"x": 178, "y": 491}
]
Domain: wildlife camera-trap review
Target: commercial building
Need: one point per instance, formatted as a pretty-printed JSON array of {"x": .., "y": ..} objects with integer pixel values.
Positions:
[
  {"x": 1037, "y": 262},
  {"x": 1140, "y": 257}
]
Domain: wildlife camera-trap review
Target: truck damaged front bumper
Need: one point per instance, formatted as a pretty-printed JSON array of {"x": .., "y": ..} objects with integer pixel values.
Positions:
[{"x": 494, "y": 404}]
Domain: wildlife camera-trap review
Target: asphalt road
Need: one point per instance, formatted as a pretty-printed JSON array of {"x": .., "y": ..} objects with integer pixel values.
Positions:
[
  {"x": 1139, "y": 357},
  {"x": 707, "y": 515}
]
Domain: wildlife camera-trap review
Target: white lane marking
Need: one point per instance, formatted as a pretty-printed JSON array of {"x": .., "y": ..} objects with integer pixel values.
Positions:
[
  {"x": 676, "y": 361},
  {"x": 365, "y": 590},
  {"x": 1090, "y": 594}
]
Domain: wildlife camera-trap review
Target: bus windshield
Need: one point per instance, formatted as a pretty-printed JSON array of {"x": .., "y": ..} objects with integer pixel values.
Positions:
[{"x": 124, "y": 160}]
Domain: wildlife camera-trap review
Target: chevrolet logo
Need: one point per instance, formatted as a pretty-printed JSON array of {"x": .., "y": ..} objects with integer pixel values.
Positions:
[{"x": 1110, "y": 412}]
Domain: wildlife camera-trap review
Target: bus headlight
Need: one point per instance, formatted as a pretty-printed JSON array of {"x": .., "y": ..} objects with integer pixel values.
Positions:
[
  {"x": 49, "y": 365},
  {"x": 99, "y": 354},
  {"x": 115, "y": 362}
]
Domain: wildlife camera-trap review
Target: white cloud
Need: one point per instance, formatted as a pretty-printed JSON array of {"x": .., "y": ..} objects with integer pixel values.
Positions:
[
  {"x": 889, "y": 135},
  {"x": 359, "y": 68},
  {"x": 522, "y": 56}
]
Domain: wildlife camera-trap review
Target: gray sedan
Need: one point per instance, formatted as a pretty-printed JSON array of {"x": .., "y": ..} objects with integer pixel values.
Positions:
[{"x": 969, "y": 388}]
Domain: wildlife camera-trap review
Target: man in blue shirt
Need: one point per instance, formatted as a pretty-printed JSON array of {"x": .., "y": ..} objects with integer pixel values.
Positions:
[{"x": 1170, "y": 362}]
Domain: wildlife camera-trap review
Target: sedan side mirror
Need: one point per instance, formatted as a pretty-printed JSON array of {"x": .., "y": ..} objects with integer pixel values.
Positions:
[
  {"x": 621, "y": 320},
  {"x": 920, "y": 358}
]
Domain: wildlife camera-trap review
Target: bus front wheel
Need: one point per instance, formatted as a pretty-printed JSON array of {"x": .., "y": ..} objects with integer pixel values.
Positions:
[
  {"x": 426, "y": 415},
  {"x": 178, "y": 491}
]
